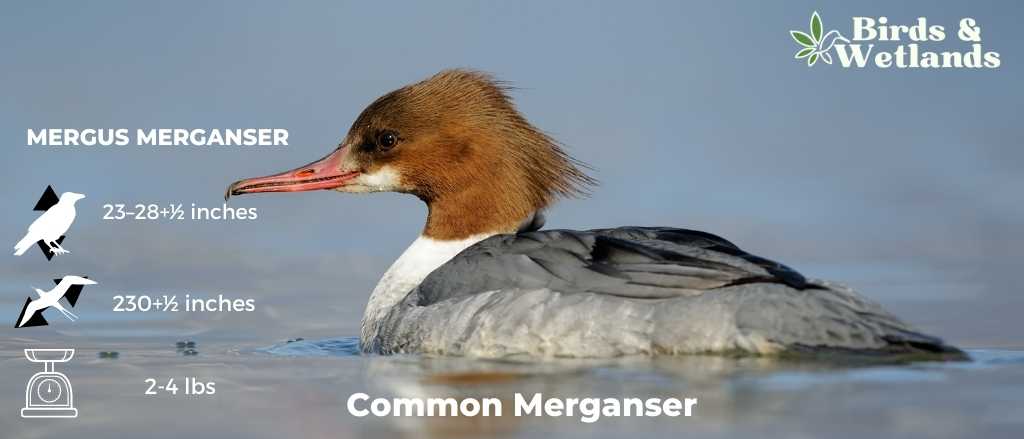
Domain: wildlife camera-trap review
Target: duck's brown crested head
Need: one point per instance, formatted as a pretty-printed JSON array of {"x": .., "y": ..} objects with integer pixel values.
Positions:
[{"x": 456, "y": 141}]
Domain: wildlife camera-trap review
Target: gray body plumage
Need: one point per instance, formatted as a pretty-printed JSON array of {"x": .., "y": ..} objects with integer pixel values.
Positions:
[{"x": 627, "y": 291}]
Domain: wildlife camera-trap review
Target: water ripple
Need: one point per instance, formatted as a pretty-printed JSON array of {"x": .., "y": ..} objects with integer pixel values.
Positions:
[{"x": 330, "y": 347}]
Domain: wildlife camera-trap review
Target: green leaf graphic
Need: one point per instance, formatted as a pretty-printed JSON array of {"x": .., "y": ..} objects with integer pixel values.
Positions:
[
  {"x": 813, "y": 59},
  {"x": 803, "y": 52},
  {"x": 816, "y": 26},
  {"x": 802, "y": 38}
]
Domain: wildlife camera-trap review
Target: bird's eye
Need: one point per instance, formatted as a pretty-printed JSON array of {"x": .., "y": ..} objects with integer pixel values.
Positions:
[{"x": 387, "y": 140}]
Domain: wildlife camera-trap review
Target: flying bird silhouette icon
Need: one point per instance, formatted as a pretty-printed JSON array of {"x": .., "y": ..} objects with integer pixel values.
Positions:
[
  {"x": 68, "y": 288},
  {"x": 50, "y": 227}
]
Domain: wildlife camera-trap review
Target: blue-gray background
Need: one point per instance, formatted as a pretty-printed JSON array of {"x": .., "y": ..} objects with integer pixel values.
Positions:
[{"x": 903, "y": 183}]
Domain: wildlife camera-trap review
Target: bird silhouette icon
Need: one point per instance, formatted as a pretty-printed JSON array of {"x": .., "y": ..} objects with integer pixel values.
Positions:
[
  {"x": 69, "y": 287},
  {"x": 51, "y": 226}
]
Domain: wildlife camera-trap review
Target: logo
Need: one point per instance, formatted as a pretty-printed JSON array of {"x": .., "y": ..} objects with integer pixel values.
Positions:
[
  {"x": 815, "y": 45},
  {"x": 875, "y": 42}
]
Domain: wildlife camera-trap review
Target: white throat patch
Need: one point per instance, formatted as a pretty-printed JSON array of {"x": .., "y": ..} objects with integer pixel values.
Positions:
[
  {"x": 421, "y": 258},
  {"x": 384, "y": 179}
]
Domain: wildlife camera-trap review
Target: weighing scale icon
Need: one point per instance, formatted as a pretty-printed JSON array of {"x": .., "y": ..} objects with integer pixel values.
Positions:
[{"x": 49, "y": 393}]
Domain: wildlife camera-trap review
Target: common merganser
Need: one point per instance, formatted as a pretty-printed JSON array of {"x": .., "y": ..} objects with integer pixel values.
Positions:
[{"x": 484, "y": 280}]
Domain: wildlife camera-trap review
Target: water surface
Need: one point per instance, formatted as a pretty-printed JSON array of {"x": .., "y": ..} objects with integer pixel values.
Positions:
[{"x": 299, "y": 388}]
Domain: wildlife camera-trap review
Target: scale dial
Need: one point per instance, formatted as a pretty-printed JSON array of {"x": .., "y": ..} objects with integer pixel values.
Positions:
[{"x": 49, "y": 390}]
